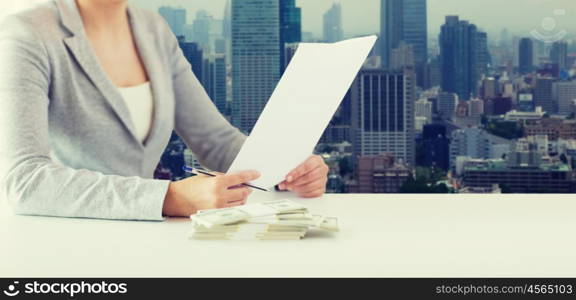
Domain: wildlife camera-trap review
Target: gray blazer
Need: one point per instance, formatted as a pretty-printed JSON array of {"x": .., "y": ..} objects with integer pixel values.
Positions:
[{"x": 67, "y": 143}]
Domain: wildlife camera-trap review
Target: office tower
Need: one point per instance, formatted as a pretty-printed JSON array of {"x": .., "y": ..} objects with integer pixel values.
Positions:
[
  {"x": 559, "y": 55},
  {"x": 474, "y": 142},
  {"x": 214, "y": 80},
  {"x": 255, "y": 58},
  {"x": 175, "y": 17},
  {"x": 404, "y": 20},
  {"x": 227, "y": 31},
  {"x": 433, "y": 76},
  {"x": 543, "y": 94},
  {"x": 333, "y": 24},
  {"x": 526, "y": 56},
  {"x": 498, "y": 105},
  {"x": 402, "y": 57},
  {"x": 289, "y": 51},
  {"x": 526, "y": 102},
  {"x": 415, "y": 29},
  {"x": 391, "y": 29},
  {"x": 459, "y": 57},
  {"x": 564, "y": 94},
  {"x": 227, "y": 21},
  {"x": 475, "y": 108},
  {"x": 435, "y": 146},
  {"x": 447, "y": 104},
  {"x": 423, "y": 108},
  {"x": 339, "y": 129},
  {"x": 290, "y": 27},
  {"x": 483, "y": 60},
  {"x": 194, "y": 55},
  {"x": 383, "y": 114},
  {"x": 379, "y": 174},
  {"x": 490, "y": 88},
  {"x": 201, "y": 28}
]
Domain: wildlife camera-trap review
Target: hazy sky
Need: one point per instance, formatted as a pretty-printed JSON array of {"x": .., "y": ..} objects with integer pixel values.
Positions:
[{"x": 362, "y": 16}]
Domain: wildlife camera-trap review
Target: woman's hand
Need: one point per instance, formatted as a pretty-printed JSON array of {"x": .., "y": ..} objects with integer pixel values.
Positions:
[
  {"x": 186, "y": 197},
  {"x": 309, "y": 179}
]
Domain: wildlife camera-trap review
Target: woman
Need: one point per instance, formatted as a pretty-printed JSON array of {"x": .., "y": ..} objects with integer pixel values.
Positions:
[{"x": 90, "y": 91}]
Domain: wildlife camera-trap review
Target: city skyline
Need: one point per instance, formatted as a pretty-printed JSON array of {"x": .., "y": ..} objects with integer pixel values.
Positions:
[{"x": 534, "y": 11}]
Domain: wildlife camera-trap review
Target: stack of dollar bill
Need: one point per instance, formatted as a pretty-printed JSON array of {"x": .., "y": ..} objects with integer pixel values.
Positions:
[{"x": 273, "y": 220}]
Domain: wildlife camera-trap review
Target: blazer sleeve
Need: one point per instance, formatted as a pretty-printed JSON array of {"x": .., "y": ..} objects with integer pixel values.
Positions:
[
  {"x": 34, "y": 184},
  {"x": 213, "y": 140}
]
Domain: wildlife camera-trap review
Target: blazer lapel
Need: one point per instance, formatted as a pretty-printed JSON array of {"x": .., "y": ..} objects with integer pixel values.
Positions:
[
  {"x": 144, "y": 40},
  {"x": 79, "y": 45}
]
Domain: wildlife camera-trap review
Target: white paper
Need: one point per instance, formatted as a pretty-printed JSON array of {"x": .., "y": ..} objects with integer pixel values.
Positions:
[{"x": 299, "y": 110}]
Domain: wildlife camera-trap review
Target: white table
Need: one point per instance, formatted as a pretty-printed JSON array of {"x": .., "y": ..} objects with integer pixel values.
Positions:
[{"x": 381, "y": 235}]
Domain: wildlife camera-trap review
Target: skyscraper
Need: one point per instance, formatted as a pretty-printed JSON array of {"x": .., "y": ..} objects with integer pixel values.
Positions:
[
  {"x": 333, "y": 24},
  {"x": 543, "y": 94},
  {"x": 290, "y": 27},
  {"x": 526, "y": 57},
  {"x": 391, "y": 29},
  {"x": 194, "y": 55},
  {"x": 459, "y": 57},
  {"x": 404, "y": 20},
  {"x": 559, "y": 54},
  {"x": 175, "y": 17},
  {"x": 255, "y": 58},
  {"x": 447, "y": 104},
  {"x": 483, "y": 55},
  {"x": 201, "y": 29},
  {"x": 565, "y": 94},
  {"x": 383, "y": 114},
  {"x": 415, "y": 33},
  {"x": 215, "y": 80}
]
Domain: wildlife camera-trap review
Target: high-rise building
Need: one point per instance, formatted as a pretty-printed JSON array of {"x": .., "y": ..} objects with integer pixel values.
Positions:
[
  {"x": 256, "y": 59},
  {"x": 475, "y": 108},
  {"x": 497, "y": 106},
  {"x": 490, "y": 88},
  {"x": 564, "y": 94},
  {"x": 483, "y": 60},
  {"x": 333, "y": 24},
  {"x": 435, "y": 146},
  {"x": 215, "y": 80},
  {"x": 290, "y": 27},
  {"x": 383, "y": 114},
  {"x": 459, "y": 57},
  {"x": 526, "y": 56},
  {"x": 195, "y": 57},
  {"x": 474, "y": 142},
  {"x": 404, "y": 20},
  {"x": 201, "y": 28},
  {"x": 423, "y": 108},
  {"x": 379, "y": 174},
  {"x": 543, "y": 94},
  {"x": 175, "y": 17},
  {"x": 402, "y": 57},
  {"x": 447, "y": 104},
  {"x": 559, "y": 54}
]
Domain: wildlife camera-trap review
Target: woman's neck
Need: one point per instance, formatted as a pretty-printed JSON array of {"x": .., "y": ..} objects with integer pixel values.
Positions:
[{"x": 100, "y": 16}]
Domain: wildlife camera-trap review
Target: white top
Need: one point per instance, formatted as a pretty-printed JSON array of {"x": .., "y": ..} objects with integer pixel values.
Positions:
[
  {"x": 470, "y": 235},
  {"x": 140, "y": 103}
]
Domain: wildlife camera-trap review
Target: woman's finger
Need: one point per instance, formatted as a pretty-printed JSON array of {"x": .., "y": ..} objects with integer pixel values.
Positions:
[
  {"x": 316, "y": 174},
  {"x": 310, "y": 164},
  {"x": 237, "y": 194}
]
